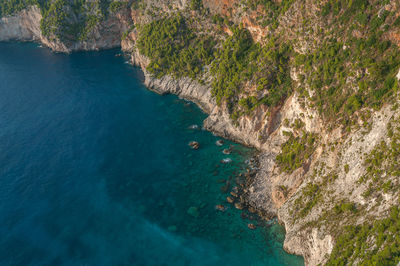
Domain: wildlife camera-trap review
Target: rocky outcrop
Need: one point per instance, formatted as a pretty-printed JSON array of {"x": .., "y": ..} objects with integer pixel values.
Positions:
[
  {"x": 313, "y": 245},
  {"x": 183, "y": 87},
  {"x": 25, "y": 26},
  {"x": 313, "y": 235}
]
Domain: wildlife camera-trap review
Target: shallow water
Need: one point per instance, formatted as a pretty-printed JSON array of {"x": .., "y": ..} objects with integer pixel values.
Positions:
[{"x": 96, "y": 170}]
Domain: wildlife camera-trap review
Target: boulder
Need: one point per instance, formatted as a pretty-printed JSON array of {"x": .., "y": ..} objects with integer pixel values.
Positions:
[{"x": 194, "y": 145}]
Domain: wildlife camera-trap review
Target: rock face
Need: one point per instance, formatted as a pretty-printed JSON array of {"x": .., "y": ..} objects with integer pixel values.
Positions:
[
  {"x": 106, "y": 35},
  {"x": 184, "y": 88},
  {"x": 25, "y": 26}
]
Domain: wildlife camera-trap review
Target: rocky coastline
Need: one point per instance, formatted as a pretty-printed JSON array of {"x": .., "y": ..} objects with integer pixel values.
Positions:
[
  {"x": 251, "y": 131},
  {"x": 25, "y": 27},
  {"x": 269, "y": 191},
  {"x": 256, "y": 191}
]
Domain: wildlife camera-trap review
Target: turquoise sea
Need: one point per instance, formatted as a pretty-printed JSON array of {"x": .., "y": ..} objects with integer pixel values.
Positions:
[{"x": 96, "y": 170}]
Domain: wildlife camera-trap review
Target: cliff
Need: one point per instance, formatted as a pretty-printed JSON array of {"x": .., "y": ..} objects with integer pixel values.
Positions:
[
  {"x": 26, "y": 26},
  {"x": 323, "y": 112}
]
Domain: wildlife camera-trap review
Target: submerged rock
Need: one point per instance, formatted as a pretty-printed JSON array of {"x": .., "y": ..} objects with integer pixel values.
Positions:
[
  {"x": 226, "y": 151},
  {"x": 239, "y": 181},
  {"x": 251, "y": 226},
  {"x": 252, "y": 217},
  {"x": 194, "y": 127},
  {"x": 172, "y": 228},
  {"x": 235, "y": 189},
  {"x": 226, "y": 160},
  {"x": 229, "y": 199},
  {"x": 238, "y": 206},
  {"x": 252, "y": 210},
  {"x": 193, "y": 211},
  {"x": 194, "y": 145},
  {"x": 219, "y": 142},
  {"x": 225, "y": 188},
  {"x": 220, "y": 207}
]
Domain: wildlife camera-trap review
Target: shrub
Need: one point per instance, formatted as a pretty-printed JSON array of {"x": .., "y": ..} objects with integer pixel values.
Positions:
[
  {"x": 173, "y": 48},
  {"x": 376, "y": 243},
  {"x": 295, "y": 152},
  {"x": 9, "y": 7}
]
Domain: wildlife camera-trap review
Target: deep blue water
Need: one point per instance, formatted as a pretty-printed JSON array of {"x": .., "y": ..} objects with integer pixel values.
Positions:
[{"x": 96, "y": 170}]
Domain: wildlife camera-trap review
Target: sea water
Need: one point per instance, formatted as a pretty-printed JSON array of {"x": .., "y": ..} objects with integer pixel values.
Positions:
[{"x": 96, "y": 170}]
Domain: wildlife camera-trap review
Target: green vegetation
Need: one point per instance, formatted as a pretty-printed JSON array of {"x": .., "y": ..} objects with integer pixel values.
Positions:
[
  {"x": 310, "y": 196},
  {"x": 116, "y": 6},
  {"x": 298, "y": 124},
  {"x": 346, "y": 9},
  {"x": 382, "y": 163},
  {"x": 329, "y": 67},
  {"x": 344, "y": 207},
  {"x": 345, "y": 64},
  {"x": 9, "y": 7},
  {"x": 376, "y": 243},
  {"x": 71, "y": 21},
  {"x": 54, "y": 18},
  {"x": 272, "y": 10},
  {"x": 356, "y": 66},
  {"x": 173, "y": 48},
  {"x": 63, "y": 19},
  {"x": 346, "y": 68},
  {"x": 346, "y": 168},
  {"x": 240, "y": 61},
  {"x": 230, "y": 66},
  {"x": 196, "y": 4},
  {"x": 295, "y": 152}
]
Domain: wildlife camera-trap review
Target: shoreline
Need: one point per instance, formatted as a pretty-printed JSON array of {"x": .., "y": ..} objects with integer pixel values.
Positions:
[
  {"x": 249, "y": 131},
  {"x": 256, "y": 154},
  {"x": 314, "y": 138},
  {"x": 251, "y": 173},
  {"x": 262, "y": 215},
  {"x": 156, "y": 187},
  {"x": 173, "y": 87}
]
